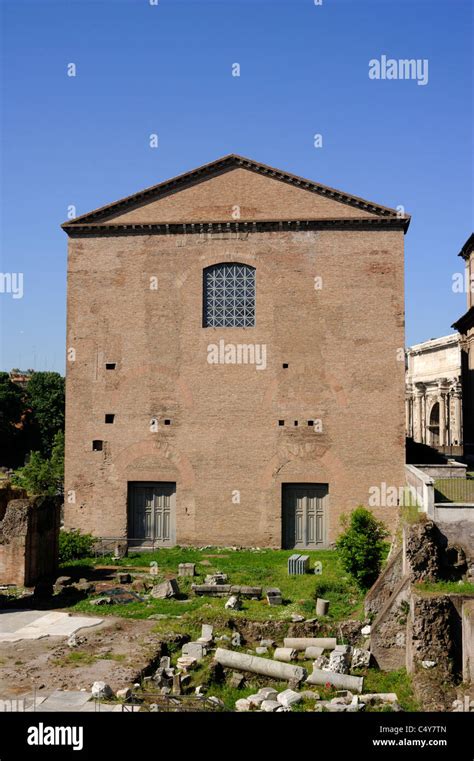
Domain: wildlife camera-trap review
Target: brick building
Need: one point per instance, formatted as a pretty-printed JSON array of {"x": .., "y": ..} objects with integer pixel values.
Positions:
[
  {"x": 465, "y": 326},
  {"x": 235, "y": 369}
]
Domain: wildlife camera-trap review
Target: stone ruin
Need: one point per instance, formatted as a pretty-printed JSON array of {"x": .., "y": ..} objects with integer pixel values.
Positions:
[
  {"x": 414, "y": 630},
  {"x": 29, "y": 539}
]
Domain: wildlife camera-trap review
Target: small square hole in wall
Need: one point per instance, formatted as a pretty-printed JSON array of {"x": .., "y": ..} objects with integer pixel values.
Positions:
[
  {"x": 97, "y": 445},
  {"x": 167, "y": 422},
  {"x": 109, "y": 418},
  {"x": 310, "y": 422},
  {"x": 285, "y": 365},
  {"x": 281, "y": 422},
  {"x": 110, "y": 365},
  {"x": 296, "y": 422}
]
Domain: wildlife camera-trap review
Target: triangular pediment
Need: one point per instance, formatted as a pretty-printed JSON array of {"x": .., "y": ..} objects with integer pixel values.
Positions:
[{"x": 233, "y": 189}]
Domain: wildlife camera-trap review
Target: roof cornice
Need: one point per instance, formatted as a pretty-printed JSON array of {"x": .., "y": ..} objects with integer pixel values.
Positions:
[
  {"x": 467, "y": 248},
  {"x": 252, "y": 226},
  {"x": 465, "y": 322},
  {"x": 220, "y": 166}
]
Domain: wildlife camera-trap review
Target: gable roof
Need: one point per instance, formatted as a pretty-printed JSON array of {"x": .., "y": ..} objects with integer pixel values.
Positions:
[{"x": 99, "y": 219}]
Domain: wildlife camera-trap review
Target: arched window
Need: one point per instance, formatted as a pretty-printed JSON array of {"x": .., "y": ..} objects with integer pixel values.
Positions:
[
  {"x": 434, "y": 425},
  {"x": 229, "y": 296}
]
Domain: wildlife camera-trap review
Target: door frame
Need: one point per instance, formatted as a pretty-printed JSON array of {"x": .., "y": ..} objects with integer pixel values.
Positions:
[
  {"x": 154, "y": 543},
  {"x": 285, "y": 489}
]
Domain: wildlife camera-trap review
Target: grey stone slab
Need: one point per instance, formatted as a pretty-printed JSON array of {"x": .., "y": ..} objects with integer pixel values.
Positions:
[
  {"x": 14, "y": 620},
  {"x": 65, "y": 700},
  {"x": 40, "y": 624}
]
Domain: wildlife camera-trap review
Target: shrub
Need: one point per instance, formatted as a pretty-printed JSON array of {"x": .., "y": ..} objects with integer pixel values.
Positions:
[
  {"x": 73, "y": 545},
  {"x": 42, "y": 476},
  {"x": 361, "y": 547}
]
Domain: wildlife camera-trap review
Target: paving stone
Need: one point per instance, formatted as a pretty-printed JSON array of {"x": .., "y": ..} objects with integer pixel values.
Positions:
[{"x": 39, "y": 624}]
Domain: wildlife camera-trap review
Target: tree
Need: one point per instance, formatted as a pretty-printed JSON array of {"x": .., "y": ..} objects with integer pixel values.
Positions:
[
  {"x": 45, "y": 398},
  {"x": 361, "y": 547},
  {"x": 41, "y": 476},
  {"x": 11, "y": 409}
]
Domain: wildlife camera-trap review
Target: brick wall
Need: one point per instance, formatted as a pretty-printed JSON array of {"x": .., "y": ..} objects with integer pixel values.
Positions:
[
  {"x": 29, "y": 535},
  {"x": 340, "y": 344}
]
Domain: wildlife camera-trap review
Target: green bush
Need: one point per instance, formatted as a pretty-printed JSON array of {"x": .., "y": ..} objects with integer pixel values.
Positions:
[
  {"x": 361, "y": 547},
  {"x": 42, "y": 476},
  {"x": 73, "y": 545}
]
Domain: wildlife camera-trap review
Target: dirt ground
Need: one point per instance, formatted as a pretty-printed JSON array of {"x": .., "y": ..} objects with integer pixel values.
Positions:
[{"x": 116, "y": 651}]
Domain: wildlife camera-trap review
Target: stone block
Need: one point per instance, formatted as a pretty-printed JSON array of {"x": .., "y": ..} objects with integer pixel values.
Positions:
[
  {"x": 287, "y": 654},
  {"x": 288, "y": 698},
  {"x": 165, "y": 590},
  {"x": 194, "y": 650},
  {"x": 207, "y": 633},
  {"x": 270, "y": 706},
  {"x": 236, "y": 680},
  {"x": 274, "y": 596},
  {"x": 269, "y": 693},
  {"x": 187, "y": 569},
  {"x": 233, "y": 603},
  {"x": 313, "y": 652},
  {"x": 242, "y": 705},
  {"x": 102, "y": 690},
  {"x": 360, "y": 658}
]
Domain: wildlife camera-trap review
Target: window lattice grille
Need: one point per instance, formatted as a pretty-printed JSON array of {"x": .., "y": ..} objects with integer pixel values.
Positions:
[{"x": 229, "y": 296}]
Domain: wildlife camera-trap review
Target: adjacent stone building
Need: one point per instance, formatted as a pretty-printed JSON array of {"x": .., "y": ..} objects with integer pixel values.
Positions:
[
  {"x": 433, "y": 402},
  {"x": 465, "y": 326},
  {"x": 235, "y": 370}
]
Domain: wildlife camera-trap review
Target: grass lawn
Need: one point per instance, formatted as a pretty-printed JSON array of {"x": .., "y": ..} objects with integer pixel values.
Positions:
[
  {"x": 265, "y": 568},
  {"x": 454, "y": 490},
  {"x": 391, "y": 681},
  {"x": 445, "y": 587}
]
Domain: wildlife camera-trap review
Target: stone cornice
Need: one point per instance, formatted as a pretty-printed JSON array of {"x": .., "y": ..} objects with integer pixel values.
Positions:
[
  {"x": 75, "y": 229},
  {"x": 465, "y": 322}
]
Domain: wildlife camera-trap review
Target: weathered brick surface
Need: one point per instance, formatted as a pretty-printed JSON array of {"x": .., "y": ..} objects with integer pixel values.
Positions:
[
  {"x": 340, "y": 343},
  {"x": 29, "y": 535}
]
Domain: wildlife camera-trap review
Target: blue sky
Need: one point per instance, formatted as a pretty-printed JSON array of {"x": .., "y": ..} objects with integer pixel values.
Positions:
[{"x": 166, "y": 69}]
